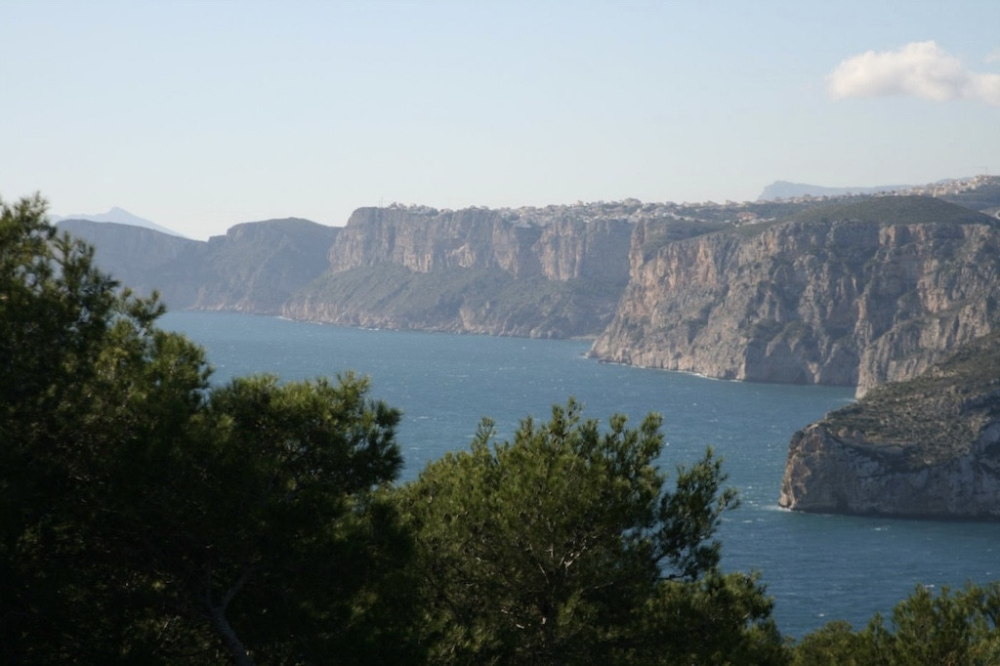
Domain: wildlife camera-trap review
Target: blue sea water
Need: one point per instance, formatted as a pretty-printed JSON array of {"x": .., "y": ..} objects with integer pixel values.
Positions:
[{"x": 818, "y": 568}]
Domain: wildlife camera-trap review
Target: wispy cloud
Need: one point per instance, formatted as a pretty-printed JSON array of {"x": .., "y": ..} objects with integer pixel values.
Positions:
[{"x": 918, "y": 69}]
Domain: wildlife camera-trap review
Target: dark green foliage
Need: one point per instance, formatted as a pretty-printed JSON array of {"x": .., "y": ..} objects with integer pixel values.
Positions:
[
  {"x": 953, "y": 629},
  {"x": 146, "y": 517},
  {"x": 564, "y": 547},
  {"x": 57, "y": 315}
]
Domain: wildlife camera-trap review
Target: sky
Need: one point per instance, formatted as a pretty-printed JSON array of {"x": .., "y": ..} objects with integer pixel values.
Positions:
[{"x": 201, "y": 115}]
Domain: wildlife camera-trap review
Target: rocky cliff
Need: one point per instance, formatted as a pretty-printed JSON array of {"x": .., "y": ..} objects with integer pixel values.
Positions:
[
  {"x": 851, "y": 294},
  {"x": 928, "y": 447},
  {"x": 473, "y": 270},
  {"x": 424, "y": 240}
]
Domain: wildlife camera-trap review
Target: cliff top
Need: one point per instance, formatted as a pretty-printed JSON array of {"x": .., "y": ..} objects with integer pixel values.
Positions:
[
  {"x": 911, "y": 205},
  {"x": 931, "y": 418},
  {"x": 893, "y": 209}
]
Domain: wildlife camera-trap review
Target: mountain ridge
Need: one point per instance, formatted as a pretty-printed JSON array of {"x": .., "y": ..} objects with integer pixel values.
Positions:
[{"x": 116, "y": 215}]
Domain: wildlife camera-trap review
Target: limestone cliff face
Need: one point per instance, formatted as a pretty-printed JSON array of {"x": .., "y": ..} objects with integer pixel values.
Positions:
[
  {"x": 926, "y": 447},
  {"x": 831, "y": 472},
  {"x": 426, "y": 240},
  {"x": 472, "y": 270},
  {"x": 843, "y": 301}
]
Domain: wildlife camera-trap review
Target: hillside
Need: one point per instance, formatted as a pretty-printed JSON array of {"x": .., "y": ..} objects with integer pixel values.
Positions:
[
  {"x": 255, "y": 267},
  {"x": 146, "y": 260}
]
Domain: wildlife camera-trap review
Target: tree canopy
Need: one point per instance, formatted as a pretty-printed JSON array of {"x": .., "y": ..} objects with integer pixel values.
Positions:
[
  {"x": 146, "y": 516},
  {"x": 564, "y": 546}
]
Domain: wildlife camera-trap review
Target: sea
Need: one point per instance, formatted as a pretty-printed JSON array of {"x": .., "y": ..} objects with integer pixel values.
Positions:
[{"x": 817, "y": 568}]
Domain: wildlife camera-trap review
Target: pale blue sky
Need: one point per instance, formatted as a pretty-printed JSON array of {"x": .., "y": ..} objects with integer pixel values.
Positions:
[{"x": 199, "y": 115}]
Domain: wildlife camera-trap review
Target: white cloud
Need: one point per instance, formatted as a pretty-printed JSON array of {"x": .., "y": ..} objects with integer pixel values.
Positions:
[{"x": 918, "y": 69}]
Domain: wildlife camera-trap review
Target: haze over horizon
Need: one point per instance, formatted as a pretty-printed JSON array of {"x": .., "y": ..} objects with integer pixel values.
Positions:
[{"x": 199, "y": 116}]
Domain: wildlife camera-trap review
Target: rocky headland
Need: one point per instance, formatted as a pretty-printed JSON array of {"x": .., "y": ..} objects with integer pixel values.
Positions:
[{"x": 928, "y": 447}]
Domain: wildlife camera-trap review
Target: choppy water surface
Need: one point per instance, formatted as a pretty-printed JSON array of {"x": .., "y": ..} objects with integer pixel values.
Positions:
[{"x": 818, "y": 568}]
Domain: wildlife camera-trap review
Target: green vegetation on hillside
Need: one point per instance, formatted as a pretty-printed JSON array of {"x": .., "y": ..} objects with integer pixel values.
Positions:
[
  {"x": 658, "y": 233},
  {"x": 392, "y": 295},
  {"x": 935, "y": 416},
  {"x": 894, "y": 210}
]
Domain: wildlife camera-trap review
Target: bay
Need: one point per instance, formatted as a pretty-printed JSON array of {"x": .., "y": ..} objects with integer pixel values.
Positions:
[{"x": 817, "y": 567}]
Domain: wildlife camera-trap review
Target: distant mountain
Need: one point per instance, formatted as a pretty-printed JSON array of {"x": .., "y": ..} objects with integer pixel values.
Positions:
[
  {"x": 117, "y": 216},
  {"x": 782, "y": 189},
  {"x": 255, "y": 267}
]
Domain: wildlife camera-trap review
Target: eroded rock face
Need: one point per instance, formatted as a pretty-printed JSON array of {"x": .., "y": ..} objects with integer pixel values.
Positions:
[
  {"x": 927, "y": 447},
  {"x": 827, "y": 473},
  {"x": 473, "y": 271},
  {"x": 478, "y": 238},
  {"x": 830, "y": 302}
]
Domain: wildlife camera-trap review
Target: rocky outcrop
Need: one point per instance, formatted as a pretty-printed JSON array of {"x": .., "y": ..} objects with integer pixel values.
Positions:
[
  {"x": 855, "y": 294},
  {"x": 927, "y": 447},
  {"x": 474, "y": 270}
]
